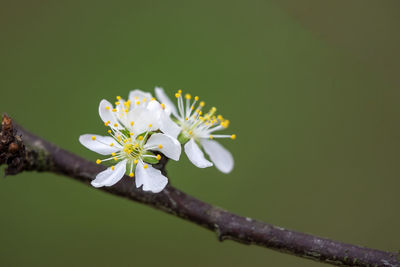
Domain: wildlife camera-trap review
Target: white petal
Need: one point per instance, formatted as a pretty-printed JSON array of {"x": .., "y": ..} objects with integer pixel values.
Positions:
[
  {"x": 106, "y": 114},
  {"x": 169, "y": 106},
  {"x": 139, "y": 95},
  {"x": 169, "y": 127},
  {"x": 151, "y": 178},
  {"x": 170, "y": 146},
  {"x": 110, "y": 177},
  {"x": 195, "y": 155},
  {"x": 143, "y": 118},
  {"x": 100, "y": 145},
  {"x": 221, "y": 157}
]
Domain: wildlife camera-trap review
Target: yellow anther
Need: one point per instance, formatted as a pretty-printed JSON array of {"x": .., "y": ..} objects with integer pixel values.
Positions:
[
  {"x": 115, "y": 158},
  {"x": 98, "y": 161},
  {"x": 135, "y": 145},
  {"x": 112, "y": 144},
  {"x": 119, "y": 138},
  {"x": 108, "y": 108},
  {"x": 158, "y": 157},
  {"x": 93, "y": 137},
  {"x": 153, "y": 99},
  {"x": 233, "y": 136},
  {"x": 211, "y": 137},
  {"x": 131, "y": 123},
  {"x": 136, "y": 161},
  {"x": 202, "y": 104},
  {"x": 130, "y": 139},
  {"x": 137, "y": 102},
  {"x": 177, "y": 95},
  {"x": 131, "y": 174},
  {"x": 201, "y": 112},
  {"x": 140, "y": 138},
  {"x": 191, "y": 107},
  {"x": 109, "y": 131},
  {"x": 113, "y": 154},
  {"x": 160, "y": 146},
  {"x": 190, "y": 132},
  {"x": 125, "y": 141},
  {"x": 117, "y": 103},
  {"x": 112, "y": 167},
  {"x": 196, "y": 98},
  {"x": 163, "y": 105},
  {"x": 180, "y": 91},
  {"x": 197, "y": 110},
  {"x": 106, "y": 123},
  {"x": 220, "y": 117},
  {"x": 188, "y": 96},
  {"x": 145, "y": 166},
  {"x": 131, "y": 134},
  {"x": 114, "y": 110},
  {"x": 118, "y": 98},
  {"x": 144, "y": 99},
  {"x": 150, "y": 125},
  {"x": 187, "y": 118},
  {"x": 115, "y": 124}
]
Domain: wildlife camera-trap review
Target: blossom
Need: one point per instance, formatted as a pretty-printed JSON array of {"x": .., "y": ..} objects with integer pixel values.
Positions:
[
  {"x": 197, "y": 130},
  {"x": 133, "y": 139}
]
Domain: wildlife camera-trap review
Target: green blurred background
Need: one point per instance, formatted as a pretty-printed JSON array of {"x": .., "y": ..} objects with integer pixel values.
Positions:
[{"x": 311, "y": 89}]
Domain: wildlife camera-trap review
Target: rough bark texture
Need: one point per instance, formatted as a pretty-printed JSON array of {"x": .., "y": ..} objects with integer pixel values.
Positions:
[{"x": 21, "y": 151}]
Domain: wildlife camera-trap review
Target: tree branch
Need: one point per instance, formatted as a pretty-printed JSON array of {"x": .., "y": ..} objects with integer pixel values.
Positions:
[{"x": 23, "y": 151}]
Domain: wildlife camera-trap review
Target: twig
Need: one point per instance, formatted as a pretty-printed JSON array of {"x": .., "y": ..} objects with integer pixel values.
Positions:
[{"x": 22, "y": 150}]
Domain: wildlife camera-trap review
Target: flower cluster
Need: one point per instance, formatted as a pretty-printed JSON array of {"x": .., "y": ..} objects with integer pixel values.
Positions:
[{"x": 142, "y": 129}]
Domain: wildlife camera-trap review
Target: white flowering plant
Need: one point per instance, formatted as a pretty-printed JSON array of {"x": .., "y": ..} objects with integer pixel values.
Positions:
[{"x": 142, "y": 129}]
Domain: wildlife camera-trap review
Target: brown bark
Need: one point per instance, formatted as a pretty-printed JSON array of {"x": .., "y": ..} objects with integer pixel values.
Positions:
[{"x": 21, "y": 151}]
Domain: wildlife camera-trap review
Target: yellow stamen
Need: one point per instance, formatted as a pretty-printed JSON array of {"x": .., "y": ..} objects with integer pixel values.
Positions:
[
  {"x": 211, "y": 137},
  {"x": 177, "y": 95},
  {"x": 196, "y": 98},
  {"x": 115, "y": 158},
  {"x": 112, "y": 144},
  {"x": 117, "y": 103},
  {"x": 140, "y": 138},
  {"x": 202, "y": 104},
  {"x": 190, "y": 132},
  {"x": 98, "y": 161},
  {"x": 115, "y": 124},
  {"x": 150, "y": 125},
  {"x": 118, "y": 98},
  {"x": 138, "y": 103},
  {"x": 145, "y": 166},
  {"x": 130, "y": 134},
  {"x": 233, "y": 137},
  {"x": 109, "y": 131},
  {"x": 93, "y": 137},
  {"x": 158, "y": 157},
  {"x": 114, "y": 110},
  {"x": 188, "y": 96},
  {"x": 131, "y": 123},
  {"x": 163, "y": 105},
  {"x": 131, "y": 174},
  {"x": 160, "y": 146},
  {"x": 112, "y": 167},
  {"x": 136, "y": 161},
  {"x": 113, "y": 154}
]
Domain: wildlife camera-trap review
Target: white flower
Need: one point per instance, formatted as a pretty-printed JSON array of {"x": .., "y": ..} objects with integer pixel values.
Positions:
[
  {"x": 132, "y": 141},
  {"x": 198, "y": 129}
]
